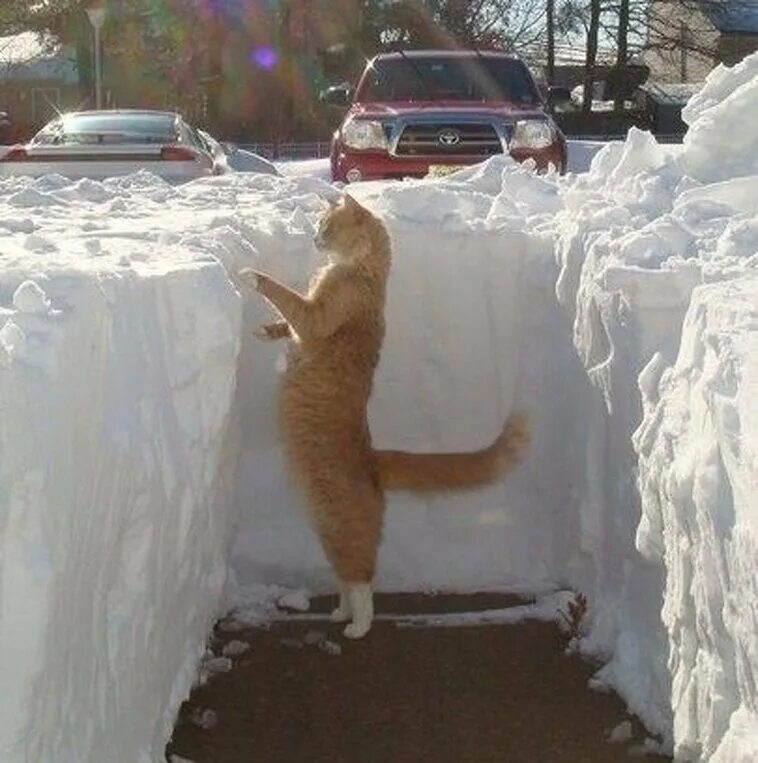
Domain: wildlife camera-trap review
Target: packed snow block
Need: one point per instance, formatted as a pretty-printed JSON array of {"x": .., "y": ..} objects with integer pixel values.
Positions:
[
  {"x": 698, "y": 451},
  {"x": 116, "y": 460},
  {"x": 626, "y": 307},
  {"x": 473, "y": 333}
]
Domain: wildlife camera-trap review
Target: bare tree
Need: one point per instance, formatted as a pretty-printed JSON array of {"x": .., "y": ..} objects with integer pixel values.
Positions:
[
  {"x": 591, "y": 55},
  {"x": 45, "y": 15},
  {"x": 622, "y": 39},
  {"x": 455, "y": 23},
  {"x": 550, "y": 32}
]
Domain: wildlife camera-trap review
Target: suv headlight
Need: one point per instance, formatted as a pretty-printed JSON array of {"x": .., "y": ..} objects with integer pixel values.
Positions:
[
  {"x": 364, "y": 134},
  {"x": 532, "y": 133}
]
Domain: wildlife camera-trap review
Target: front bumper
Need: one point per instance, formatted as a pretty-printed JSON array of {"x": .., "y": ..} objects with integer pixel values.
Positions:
[{"x": 378, "y": 165}]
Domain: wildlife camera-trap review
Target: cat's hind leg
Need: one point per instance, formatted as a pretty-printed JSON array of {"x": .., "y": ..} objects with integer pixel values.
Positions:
[{"x": 350, "y": 528}]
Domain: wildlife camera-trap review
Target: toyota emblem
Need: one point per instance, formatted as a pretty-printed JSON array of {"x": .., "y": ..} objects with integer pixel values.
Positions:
[{"x": 448, "y": 137}]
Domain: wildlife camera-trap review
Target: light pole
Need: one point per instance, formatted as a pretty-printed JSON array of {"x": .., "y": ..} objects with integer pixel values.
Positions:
[{"x": 96, "y": 14}]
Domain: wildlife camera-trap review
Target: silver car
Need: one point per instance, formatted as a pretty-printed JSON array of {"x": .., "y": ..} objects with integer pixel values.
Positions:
[
  {"x": 238, "y": 159},
  {"x": 99, "y": 144}
]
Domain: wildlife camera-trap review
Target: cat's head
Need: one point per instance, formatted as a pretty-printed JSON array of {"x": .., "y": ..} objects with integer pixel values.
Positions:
[{"x": 344, "y": 229}]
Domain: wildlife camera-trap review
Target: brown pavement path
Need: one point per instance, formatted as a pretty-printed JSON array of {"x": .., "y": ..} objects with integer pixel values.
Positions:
[{"x": 483, "y": 694}]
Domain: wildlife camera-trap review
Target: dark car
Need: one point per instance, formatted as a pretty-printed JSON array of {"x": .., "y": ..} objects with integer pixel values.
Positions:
[{"x": 5, "y": 128}]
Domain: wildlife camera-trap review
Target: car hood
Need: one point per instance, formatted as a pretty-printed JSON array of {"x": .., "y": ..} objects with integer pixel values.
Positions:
[{"x": 502, "y": 109}]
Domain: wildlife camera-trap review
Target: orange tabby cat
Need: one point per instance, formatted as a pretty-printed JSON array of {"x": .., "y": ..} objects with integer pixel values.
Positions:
[{"x": 337, "y": 331}]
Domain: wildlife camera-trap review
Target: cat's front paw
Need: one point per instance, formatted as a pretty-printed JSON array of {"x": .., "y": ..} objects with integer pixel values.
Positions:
[
  {"x": 267, "y": 333},
  {"x": 254, "y": 278}
]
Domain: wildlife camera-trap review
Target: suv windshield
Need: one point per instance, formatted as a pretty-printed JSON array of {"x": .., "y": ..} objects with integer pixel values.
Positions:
[{"x": 479, "y": 78}]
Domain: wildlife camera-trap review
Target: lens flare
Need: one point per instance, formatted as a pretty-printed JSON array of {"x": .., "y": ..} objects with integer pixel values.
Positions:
[{"x": 264, "y": 57}]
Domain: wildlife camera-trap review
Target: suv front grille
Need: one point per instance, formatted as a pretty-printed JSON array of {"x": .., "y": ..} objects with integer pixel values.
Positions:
[{"x": 453, "y": 139}]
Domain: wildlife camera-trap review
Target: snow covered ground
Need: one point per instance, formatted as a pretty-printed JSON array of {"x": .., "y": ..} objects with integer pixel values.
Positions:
[{"x": 139, "y": 453}]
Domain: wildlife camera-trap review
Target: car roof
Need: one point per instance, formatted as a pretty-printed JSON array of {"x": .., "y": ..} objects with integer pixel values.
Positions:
[
  {"x": 442, "y": 53},
  {"x": 123, "y": 112}
]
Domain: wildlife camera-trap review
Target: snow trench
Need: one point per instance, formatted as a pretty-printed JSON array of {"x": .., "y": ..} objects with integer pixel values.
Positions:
[{"x": 142, "y": 489}]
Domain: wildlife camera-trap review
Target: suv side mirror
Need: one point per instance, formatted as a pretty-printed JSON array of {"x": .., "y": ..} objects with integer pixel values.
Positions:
[
  {"x": 229, "y": 148},
  {"x": 337, "y": 95}
]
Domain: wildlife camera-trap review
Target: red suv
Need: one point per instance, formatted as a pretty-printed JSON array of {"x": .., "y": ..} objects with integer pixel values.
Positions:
[{"x": 420, "y": 108}]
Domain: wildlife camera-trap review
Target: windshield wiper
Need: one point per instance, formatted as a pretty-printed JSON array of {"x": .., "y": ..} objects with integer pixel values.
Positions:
[{"x": 420, "y": 76}]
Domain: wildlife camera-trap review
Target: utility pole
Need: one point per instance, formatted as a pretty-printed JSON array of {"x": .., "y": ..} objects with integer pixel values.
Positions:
[{"x": 96, "y": 15}]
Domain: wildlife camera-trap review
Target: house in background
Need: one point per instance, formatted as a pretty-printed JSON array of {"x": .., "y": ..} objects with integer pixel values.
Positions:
[
  {"x": 688, "y": 39},
  {"x": 37, "y": 79}
]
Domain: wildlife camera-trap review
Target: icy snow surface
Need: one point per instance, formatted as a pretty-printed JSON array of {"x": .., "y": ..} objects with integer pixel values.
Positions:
[{"x": 139, "y": 450}]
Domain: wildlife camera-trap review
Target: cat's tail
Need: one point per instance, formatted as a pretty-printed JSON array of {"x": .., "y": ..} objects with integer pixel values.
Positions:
[{"x": 439, "y": 472}]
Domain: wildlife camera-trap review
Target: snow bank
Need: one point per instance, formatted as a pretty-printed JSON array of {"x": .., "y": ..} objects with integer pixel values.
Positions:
[
  {"x": 645, "y": 239},
  {"x": 115, "y": 393},
  {"x": 117, "y": 373},
  {"x": 139, "y": 432},
  {"x": 698, "y": 450}
]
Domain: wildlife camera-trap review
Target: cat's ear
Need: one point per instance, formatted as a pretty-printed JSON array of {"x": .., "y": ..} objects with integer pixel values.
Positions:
[{"x": 352, "y": 204}]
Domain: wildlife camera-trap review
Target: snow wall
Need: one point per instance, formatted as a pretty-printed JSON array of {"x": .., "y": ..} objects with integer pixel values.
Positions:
[{"x": 139, "y": 452}]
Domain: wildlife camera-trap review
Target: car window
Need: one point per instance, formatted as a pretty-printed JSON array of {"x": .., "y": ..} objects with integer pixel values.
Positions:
[
  {"x": 210, "y": 143},
  {"x": 420, "y": 78},
  {"x": 50, "y": 133},
  {"x": 197, "y": 139},
  {"x": 109, "y": 128}
]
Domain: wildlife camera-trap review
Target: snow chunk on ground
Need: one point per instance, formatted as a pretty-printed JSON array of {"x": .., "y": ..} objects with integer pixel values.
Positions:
[
  {"x": 30, "y": 298},
  {"x": 621, "y": 733},
  {"x": 297, "y": 600},
  {"x": 235, "y": 648}
]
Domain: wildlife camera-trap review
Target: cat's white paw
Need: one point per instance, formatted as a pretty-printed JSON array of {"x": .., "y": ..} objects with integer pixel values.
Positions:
[
  {"x": 339, "y": 615},
  {"x": 357, "y": 630},
  {"x": 361, "y": 605}
]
